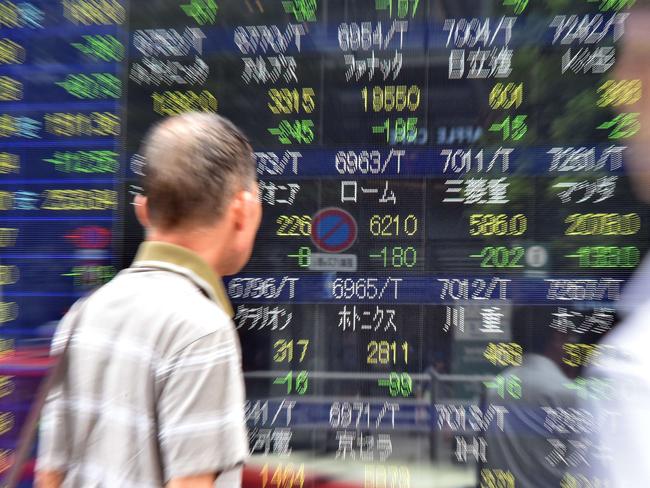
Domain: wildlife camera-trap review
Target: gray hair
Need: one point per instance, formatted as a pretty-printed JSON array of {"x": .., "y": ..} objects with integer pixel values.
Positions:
[{"x": 194, "y": 163}]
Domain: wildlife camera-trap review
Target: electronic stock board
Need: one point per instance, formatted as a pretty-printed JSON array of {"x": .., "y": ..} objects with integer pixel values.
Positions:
[{"x": 441, "y": 180}]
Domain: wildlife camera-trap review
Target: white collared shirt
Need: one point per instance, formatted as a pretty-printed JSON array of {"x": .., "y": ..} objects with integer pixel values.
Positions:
[
  {"x": 618, "y": 448},
  {"x": 154, "y": 388}
]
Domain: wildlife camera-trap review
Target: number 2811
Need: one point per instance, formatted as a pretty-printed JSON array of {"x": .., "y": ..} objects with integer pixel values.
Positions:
[{"x": 385, "y": 352}]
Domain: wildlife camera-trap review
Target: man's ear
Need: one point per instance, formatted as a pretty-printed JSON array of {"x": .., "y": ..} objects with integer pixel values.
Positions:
[
  {"x": 142, "y": 210},
  {"x": 239, "y": 208}
]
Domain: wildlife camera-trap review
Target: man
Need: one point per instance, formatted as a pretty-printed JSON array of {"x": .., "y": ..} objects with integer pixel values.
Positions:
[
  {"x": 153, "y": 393},
  {"x": 620, "y": 402}
]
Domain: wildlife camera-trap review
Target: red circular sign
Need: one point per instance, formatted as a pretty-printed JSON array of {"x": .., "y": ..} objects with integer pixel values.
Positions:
[
  {"x": 333, "y": 230},
  {"x": 91, "y": 237}
]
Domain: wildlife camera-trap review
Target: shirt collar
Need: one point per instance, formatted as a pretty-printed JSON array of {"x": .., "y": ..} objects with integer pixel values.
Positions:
[{"x": 161, "y": 253}]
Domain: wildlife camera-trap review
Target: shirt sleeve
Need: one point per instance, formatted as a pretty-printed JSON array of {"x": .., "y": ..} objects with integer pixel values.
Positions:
[
  {"x": 52, "y": 448},
  {"x": 54, "y": 435},
  {"x": 618, "y": 444},
  {"x": 201, "y": 418}
]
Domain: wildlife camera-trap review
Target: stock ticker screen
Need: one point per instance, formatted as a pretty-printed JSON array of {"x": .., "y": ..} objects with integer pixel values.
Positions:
[{"x": 444, "y": 188}]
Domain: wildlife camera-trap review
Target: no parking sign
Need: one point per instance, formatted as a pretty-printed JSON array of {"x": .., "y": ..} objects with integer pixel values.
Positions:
[{"x": 333, "y": 230}]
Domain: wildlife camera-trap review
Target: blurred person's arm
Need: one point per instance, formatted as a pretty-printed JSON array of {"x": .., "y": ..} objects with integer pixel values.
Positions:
[
  {"x": 202, "y": 429},
  {"x": 49, "y": 479},
  {"x": 201, "y": 481},
  {"x": 618, "y": 446},
  {"x": 52, "y": 456},
  {"x": 52, "y": 449}
]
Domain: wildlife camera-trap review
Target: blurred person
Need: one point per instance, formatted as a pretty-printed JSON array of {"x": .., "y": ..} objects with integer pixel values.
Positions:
[
  {"x": 620, "y": 398},
  {"x": 532, "y": 392},
  {"x": 153, "y": 393}
]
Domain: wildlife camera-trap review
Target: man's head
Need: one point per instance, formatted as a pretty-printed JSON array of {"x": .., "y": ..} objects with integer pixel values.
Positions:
[
  {"x": 201, "y": 189},
  {"x": 533, "y": 333}
]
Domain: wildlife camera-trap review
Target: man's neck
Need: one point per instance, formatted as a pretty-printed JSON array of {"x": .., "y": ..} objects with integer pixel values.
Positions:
[{"x": 202, "y": 242}]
